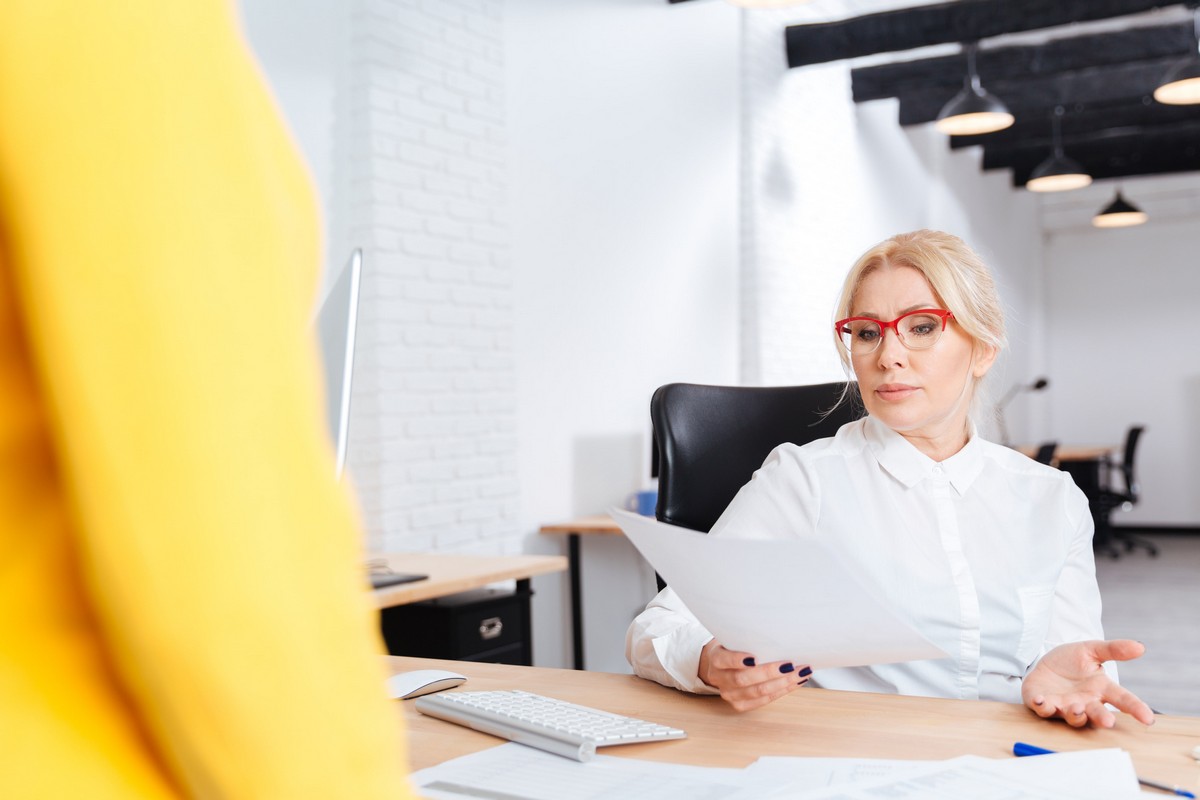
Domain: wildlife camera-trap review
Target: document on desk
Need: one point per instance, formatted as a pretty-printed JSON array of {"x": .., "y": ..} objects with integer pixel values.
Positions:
[
  {"x": 738, "y": 589},
  {"x": 1105, "y": 774},
  {"x": 516, "y": 772}
]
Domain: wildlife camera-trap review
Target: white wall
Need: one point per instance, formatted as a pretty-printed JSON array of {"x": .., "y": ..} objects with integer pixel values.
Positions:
[
  {"x": 1118, "y": 303},
  {"x": 623, "y": 136}
]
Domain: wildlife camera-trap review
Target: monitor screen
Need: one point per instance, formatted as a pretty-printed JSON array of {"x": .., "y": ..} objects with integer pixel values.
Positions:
[{"x": 336, "y": 322}]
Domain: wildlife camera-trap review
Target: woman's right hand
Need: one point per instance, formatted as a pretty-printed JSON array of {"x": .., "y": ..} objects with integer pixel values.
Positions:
[{"x": 742, "y": 683}]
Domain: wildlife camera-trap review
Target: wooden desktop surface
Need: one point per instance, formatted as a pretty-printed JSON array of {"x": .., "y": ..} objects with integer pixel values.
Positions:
[
  {"x": 808, "y": 722},
  {"x": 596, "y": 524},
  {"x": 450, "y": 574}
]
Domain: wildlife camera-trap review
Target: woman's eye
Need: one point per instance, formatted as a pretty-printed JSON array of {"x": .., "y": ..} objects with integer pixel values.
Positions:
[
  {"x": 921, "y": 326},
  {"x": 867, "y": 334}
]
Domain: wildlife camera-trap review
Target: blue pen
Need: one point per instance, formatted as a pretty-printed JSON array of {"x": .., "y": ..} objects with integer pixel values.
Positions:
[{"x": 1022, "y": 749}]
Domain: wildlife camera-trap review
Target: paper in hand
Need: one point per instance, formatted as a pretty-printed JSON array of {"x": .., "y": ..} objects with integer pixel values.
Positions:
[{"x": 782, "y": 600}]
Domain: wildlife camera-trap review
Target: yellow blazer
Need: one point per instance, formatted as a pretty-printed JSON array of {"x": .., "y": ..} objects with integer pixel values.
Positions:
[{"x": 182, "y": 601}]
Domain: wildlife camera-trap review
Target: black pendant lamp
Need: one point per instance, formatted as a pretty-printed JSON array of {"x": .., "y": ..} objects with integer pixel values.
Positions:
[
  {"x": 1057, "y": 173},
  {"x": 1120, "y": 213},
  {"x": 973, "y": 111},
  {"x": 1181, "y": 84}
]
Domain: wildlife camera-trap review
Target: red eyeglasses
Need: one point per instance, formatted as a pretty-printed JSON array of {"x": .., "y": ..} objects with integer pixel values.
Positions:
[{"x": 916, "y": 330}]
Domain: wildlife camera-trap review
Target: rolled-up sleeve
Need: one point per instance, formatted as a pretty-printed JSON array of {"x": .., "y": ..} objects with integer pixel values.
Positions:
[{"x": 664, "y": 643}]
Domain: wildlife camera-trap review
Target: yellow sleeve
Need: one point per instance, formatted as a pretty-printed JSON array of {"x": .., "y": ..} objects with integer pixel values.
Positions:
[{"x": 164, "y": 242}]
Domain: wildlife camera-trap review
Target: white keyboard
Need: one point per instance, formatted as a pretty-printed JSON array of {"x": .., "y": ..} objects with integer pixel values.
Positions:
[{"x": 543, "y": 722}]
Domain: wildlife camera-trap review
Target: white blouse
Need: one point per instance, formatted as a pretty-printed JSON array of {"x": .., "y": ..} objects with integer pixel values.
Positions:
[{"x": 988, "y": 554}]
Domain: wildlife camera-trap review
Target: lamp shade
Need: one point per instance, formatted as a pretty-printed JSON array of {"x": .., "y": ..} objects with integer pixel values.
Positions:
[
  {"x": 1120, "y": 213},
  {"x": 973, "y": 111},
  {"x": 1057, "y": 173},
  {"x": 1181, "y": 84}
]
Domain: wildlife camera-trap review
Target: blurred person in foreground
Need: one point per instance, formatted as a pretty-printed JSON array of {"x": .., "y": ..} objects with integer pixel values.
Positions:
[{"x": 182, "y": 601}]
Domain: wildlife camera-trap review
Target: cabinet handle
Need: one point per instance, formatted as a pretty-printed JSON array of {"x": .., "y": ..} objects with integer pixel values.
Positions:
[{"x": 490, "y": 628}]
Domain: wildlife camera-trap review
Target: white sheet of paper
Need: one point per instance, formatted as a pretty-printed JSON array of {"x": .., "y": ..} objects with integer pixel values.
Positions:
[
  {"x": 1081, "y": 778},
  {"x": 782, "y": 600},
  {"x": 1105, "y": 774},
  {"x": 516, "y": 772}
]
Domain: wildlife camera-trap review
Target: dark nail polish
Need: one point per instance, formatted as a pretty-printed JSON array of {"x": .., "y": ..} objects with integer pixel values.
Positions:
[
  {"x": 802, "y": 681},
  {"x": 749, "y": 662},
  {"x": 805, "y": 671},
  {"x": 786, "y": 668}
]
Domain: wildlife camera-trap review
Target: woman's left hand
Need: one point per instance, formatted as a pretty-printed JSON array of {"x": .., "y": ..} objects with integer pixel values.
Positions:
[{"x": 1070, "y": 682}]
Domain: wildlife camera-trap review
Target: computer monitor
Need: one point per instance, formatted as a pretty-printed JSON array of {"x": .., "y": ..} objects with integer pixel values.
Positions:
[{"x": 337, "y": 323}]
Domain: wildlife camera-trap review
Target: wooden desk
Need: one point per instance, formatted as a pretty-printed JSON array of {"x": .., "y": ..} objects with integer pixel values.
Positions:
[
  {"x": 808, "y": 722},
  {"x": 451, "y": 574},
  {"x": 490, "y": 625},
  {"x": 597, "y": 525}
]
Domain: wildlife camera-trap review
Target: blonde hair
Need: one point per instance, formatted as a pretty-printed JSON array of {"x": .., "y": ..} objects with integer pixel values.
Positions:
[{"x": 960, "y": 280}]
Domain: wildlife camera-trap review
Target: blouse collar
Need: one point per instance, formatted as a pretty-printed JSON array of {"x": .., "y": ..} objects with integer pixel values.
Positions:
[{"x": 907, "y": 464}]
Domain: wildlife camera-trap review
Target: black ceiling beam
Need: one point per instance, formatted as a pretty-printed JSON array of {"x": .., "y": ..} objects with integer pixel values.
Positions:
[
  {"x": 962, "y": 21},
  {"x": 1009, "y": 63},
  {"x": 1095, "y": 142},
  {"x": 1126, "y": 82},
  {"x": 1152, "y": 153},
  {"x": 1080, "y": 123}
]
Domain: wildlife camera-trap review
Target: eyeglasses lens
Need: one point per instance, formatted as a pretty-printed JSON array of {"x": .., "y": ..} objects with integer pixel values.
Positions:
[{"x": 917, "y": 332}]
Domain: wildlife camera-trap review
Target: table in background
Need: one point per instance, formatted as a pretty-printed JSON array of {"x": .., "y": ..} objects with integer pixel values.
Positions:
[
  {"x": 598, "y": 525},
  {"x": 808, "y": 722},
  {"x": 450, "y": 630},
  {"x": 1067, "y": 453}
]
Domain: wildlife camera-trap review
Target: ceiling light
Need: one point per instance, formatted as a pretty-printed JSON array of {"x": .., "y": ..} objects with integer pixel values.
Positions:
[
  {"x": 973, "y": 111},
  {"x": 1181, "y": 84},
  {"x": 1120, "y": 213},
  {"x": 1057, "y": 173}
]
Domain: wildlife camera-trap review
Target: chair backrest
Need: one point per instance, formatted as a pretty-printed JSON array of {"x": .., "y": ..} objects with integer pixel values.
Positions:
[
  {"x": 1127, "y": 461},
  {"x": 711, "y": 439},
  {"x": 1045, "y": 453}
]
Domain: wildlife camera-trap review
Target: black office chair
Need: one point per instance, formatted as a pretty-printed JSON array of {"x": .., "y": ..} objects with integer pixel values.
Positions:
[
  {"x": 710, "y": 439},
  {"x": 1123, "y": 495},
  {"x": 1045, "y": 453}
]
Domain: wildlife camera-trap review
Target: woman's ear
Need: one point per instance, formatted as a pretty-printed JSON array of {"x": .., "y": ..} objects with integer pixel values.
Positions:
[{"x": 985, "y": 356}]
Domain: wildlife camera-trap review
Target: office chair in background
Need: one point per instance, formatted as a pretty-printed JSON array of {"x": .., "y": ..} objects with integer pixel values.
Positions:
[
  {"x": 1045, "y": 452},
  {"x": 1125, "y": 495},
  {"x": 711, "y": 439}
]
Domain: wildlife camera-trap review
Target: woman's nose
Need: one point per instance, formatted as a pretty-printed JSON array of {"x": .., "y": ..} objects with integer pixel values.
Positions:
[{"x": 891, "y": 349}]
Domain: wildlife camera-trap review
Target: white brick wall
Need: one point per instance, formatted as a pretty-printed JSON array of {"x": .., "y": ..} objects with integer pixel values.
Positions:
[{"x": 420, "y": 184}]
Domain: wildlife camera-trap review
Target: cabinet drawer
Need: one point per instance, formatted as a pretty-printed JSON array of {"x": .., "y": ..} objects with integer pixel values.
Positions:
[{"x": 482, "y": 625}]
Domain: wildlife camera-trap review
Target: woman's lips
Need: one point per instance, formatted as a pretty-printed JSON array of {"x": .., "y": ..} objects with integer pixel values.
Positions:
[{"x": 895, "y": 391}]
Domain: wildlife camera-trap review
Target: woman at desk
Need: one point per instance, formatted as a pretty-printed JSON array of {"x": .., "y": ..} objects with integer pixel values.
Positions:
[{"x": 983, "y": 550}]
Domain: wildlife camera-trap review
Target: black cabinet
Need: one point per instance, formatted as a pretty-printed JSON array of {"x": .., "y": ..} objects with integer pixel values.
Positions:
[{"x": 483, "y": 625}]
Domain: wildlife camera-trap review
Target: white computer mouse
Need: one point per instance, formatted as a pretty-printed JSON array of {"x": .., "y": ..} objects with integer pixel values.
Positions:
[{"x": 417, "y": 682}]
